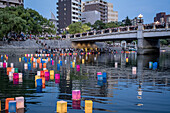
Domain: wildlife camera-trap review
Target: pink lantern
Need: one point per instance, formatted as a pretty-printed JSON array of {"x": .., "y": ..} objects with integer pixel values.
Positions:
[
  {"x": 47, "y": 76},
  {"x": 78, "y": 66},
  {"x": 57, "y": 76},
  {"x": 15, "y": 76},
  {"x": 52, "y": 62},
  {"x": 99, "y": 73},
  {"x": 76, "y": 95},
  {"x": 4, "y": 65}
]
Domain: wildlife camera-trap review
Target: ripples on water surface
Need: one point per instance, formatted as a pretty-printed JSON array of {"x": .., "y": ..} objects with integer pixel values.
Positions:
[{"x": 147, "y": 91}]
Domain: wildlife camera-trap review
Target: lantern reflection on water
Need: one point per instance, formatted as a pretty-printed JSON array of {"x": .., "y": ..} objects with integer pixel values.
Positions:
[{"x": 76, "y": 104}]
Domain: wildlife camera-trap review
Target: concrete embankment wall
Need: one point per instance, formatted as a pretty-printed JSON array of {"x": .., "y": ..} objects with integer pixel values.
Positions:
[{"x": 30, "y": 46}]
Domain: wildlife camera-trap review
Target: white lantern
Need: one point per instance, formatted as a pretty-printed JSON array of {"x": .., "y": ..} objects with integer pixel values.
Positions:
[
  {"x": 134, "y": 70},
  {"x": 12, "y": 65},
  {"x": 116, "y": 64},
  {"x": 25, "y": 66},
  {"x": 20, "y": 75},
  {"x": 38, "y": 73},
  {"x": 20, "y": 102}
]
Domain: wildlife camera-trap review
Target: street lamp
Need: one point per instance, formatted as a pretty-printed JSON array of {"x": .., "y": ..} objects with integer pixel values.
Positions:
[
  {"x": 157, "y": 22},
  {"x": 140, "y": 17},
  {"x": 67, "y": 29}
]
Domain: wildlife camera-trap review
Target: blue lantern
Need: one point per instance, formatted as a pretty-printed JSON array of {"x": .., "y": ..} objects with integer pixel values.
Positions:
[
  {"x": 58, "y": 67},
  {"x": 39, "y": 82},
  {"x": 39, "y": 89},
  {"x": 12, "y": 107},
  {"x": 100, "y": 77},
  {"x": 104, "y": 75}
]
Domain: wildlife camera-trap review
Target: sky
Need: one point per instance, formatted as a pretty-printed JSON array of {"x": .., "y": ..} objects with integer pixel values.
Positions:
[{"x": 131, "y": 8}]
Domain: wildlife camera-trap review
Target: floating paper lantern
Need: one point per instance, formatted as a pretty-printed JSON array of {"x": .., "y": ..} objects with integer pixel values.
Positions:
[
  {"x": 76, "y": 104},
  {"x": 4, "y": 65},
  {"x": 20, "y": 75},
  {"x": 100, "y": 77},
  {"x": 36, "y": 77},
  {"x": 88, "y": 106},
  {"x": 38, "y": 60},
  {"x": 58, "y": 67},
  {"x": 1, "y": 64},
  {"x": 76, "y": 95},
  {"x": 99, "y": 73},
  {"x": 25, "y": 66},
  {"x": 34, "y": 65},
  {"x": 82, "y": 61},
  {"x": 39, "y": 82},
  {"x": 20, "y": 102},
  {"x": 15, "y": 76},
  {"x": 16, "y": 70},
  {"x": 20, "y": 80},
  {"x": 65, "y": 61},
  {"x": 104, "y": 75},
  {"x": 116, "y": 64},
  {"x": 155, "y": 65},
  {"x": 134, "y": 70},
  {"x": 78, "y": 66},
  {"x": 7, "y": 102},
  {"x": 150, "y": 65},
  {"x": 61, "y": 107},
  {"x": 9, "y": 69},
  {"x": 42, "y": 74},
  {"x": 12, "y": 107},
  {"x": 61, "y": 63},
  {"x": 11, "y": 74},
  {"x": 127, "y": 59},
  {"x": 19, "y": 59},
  {"x": 12, "y": 65},
  {"x": 57, "y": 76},
  {"x": 40, "y": 65},
  {"x": 73, "y": 64},
  {"x": 38, "y": 73},
  {"x": 52, "y": 62},
  {"x": 44, "y": 65}
]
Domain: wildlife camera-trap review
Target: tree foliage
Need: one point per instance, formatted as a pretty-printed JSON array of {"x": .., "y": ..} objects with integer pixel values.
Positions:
[
  {"x": 18, "y": 19},
  {"x": 78, "y": 27},
  {"x": 128, "y": 22}
]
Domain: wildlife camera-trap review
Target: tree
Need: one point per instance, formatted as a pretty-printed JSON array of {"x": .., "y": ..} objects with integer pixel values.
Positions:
[
  {"x": 99, "y": 25},
  {"x": 78, "y": 27},
  {"x": 128, "y": 22},
  {"x": 18, "y": 19}
]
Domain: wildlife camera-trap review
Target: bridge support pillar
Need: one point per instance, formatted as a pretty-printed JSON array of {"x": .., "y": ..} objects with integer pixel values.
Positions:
[{"x": 146, "y": 46}]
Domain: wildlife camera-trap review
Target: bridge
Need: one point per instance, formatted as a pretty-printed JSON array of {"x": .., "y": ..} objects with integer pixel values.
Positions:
[{"x": 147, "y": 36}]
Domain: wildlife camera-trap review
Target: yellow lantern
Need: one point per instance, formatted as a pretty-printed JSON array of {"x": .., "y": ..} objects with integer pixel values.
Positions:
[
  {"x": 19, "y": 59},
  {"x": 52, "y": 74},
  {"x": 61, "y": 107},
  {"x": 127, "y": 60},
  {"x": 82, "y": 61},
  {"x": 88, "y": 106},
  {"x": 0, "y": 105}
]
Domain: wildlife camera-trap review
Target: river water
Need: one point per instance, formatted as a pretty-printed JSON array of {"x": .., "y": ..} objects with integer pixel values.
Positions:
[{"x": 145, "y": 91}]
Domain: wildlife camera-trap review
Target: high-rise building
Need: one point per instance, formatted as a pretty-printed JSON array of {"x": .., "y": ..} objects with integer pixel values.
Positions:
[
  {"x": 162, "y": 18},
  {"x": 90, "y": 16},
  {"x": 112, "y": 15},
  {"x": 82, "y": 6},
  {"x": 68, "y": 12},
  {"x": 9, "y": 3},
  {"x": 100, "y": 6}
]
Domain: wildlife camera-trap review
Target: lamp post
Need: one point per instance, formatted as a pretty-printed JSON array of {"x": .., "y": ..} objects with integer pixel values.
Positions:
[
  {"x": 67, "y": 29},
  {"x": 67, "y": 33},
  {"x": 140, "y": 17}
]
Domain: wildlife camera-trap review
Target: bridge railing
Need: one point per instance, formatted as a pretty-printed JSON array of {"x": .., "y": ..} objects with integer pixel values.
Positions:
[{"x": 119, "y": 29}]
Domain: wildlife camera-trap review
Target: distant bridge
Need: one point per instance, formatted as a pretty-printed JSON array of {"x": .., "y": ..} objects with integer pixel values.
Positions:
[{"x": 147, "y": 36}]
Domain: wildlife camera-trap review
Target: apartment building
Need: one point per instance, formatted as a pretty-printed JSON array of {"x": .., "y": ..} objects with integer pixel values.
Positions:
[
  {"x": 10, "y": 3},
  {"x": 112, "y": 15},
  {"x": 68, "y": 12}
]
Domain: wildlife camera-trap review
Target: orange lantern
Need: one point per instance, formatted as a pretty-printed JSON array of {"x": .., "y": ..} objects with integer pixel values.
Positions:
[
  {"x": 34, "y": 65},
  {"x": 9, "y": 69},
  {"x": 7, "y": 101},
  {"x": 40, "y": 65},
  {"x": 44, "y": 65}
]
